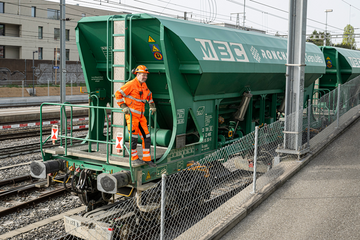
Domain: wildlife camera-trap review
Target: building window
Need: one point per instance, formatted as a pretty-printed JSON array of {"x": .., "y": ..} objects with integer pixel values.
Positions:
[
  {"x": 53, "y": 14},
  {"x": 56, "y": 33},
  {"x": 40, "y": 32},
  {"x": 57, "y": 54},
  {"x": 67, "y": 35},
  {"x": 2, "y": 7},
  {"x": 40, "y": 53},
  {"x": 33, "y": 11},
  {"x": 2, "y": 51},
  {"x": 2, "y": 30}
]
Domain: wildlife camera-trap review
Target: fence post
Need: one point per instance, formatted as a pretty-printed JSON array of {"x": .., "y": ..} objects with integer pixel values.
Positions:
[
  {"x": 255, "y": 157},
  {"x": 338, "y": 107},
  {"x": 71, "y": 85},
  {"x": 22, "y": 88},
  {"x": 309, "y": 123},
  {"x": 48, "y": 87},
  {"x": 162, "y": 227}
]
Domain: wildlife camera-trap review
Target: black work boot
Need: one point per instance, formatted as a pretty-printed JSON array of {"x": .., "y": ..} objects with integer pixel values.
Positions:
[
  {"x": 150, "y": 163},
  {"x": 137, "y": 162}
]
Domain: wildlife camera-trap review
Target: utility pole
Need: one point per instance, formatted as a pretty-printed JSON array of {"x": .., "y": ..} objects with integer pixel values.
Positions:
[
  {"x": 237, "y": 19},
  {"x": 186, "y": 15},
  {"x": 62, "y": 59},
  {"x": 326, "y": 11},
  {"x": 244, "y": 17},
  {"x": 295, "y": 74}
]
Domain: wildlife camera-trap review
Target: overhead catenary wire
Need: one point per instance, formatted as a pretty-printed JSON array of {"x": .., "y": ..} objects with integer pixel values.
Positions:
[
  {"x": 233, "y": 1},
  {"x": 46, "y": 9}
]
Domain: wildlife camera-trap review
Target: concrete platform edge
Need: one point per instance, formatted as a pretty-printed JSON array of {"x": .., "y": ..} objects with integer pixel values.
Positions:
[{"x": 232, "y": 220}]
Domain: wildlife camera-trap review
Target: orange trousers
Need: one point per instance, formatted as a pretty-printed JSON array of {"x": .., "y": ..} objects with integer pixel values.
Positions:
[{"x": 139, "y": 127}]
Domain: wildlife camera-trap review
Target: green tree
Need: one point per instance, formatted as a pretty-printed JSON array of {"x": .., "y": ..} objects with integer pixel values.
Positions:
[
  {"x": 318, "y": 38},
  {"x": 348, "y": 37},
  {"x": 341, "y": 45}
]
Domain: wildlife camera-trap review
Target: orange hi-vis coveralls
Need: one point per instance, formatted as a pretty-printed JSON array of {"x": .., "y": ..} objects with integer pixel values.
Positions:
[{"x": 134, "y": 95}]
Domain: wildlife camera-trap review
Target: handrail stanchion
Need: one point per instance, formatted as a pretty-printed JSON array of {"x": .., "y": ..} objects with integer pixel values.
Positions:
[
  {"x": 155, "y": 121},
  {"x": 71, "y": 125},
  {"x": 97, "y": 118},
  {"x": 130, "y": 152},
  {"x": 41, "y": 142},
  {"x": 149, "y": 131},
  {"x": 63, "y": 109},
  {"x": 107, "y": 137},
  {"x": 61, "y": 120},
  {"x": 124, "y": 133},
  {"x": 89, "y": 125}
]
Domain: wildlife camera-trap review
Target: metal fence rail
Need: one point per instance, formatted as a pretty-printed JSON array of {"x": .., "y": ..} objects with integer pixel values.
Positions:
[{"x": 191, "y": 202}]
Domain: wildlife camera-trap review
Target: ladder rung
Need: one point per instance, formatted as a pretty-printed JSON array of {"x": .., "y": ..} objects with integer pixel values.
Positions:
[
  {"x": 118, "y": 65},
  {"x": 115, "y": 125},
  {"x": 119, "y": 35},
  {"x": 118, "y": 50}
]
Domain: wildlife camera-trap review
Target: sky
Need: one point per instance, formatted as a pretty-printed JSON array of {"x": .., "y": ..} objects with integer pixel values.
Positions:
[{"x": 270, "y": 16}]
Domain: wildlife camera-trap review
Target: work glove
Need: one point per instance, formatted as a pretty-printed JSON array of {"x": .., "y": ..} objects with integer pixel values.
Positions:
[
  {"x": 125, "y": 108},
  {"x": 152, "y": 108}
]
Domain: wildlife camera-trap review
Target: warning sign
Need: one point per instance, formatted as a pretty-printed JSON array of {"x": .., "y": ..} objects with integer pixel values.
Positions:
[
  {"x": 158, "y": 55},
  {"x": 155, "y": 49},
  {"x": 119, "y": 142},
  {"x": 148, "y": 176},
  {"x": 151, "y": 39},
  {"x": 118, "y": 145},
  {"x": 54, "y": 132}
]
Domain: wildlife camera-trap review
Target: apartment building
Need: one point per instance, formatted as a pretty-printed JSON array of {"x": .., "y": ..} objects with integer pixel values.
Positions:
[{"x": 34, "y": 25}]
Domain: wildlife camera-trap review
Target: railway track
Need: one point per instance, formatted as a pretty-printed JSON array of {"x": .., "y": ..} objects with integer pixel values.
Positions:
[
  {"x": 27, "y": 148},
  {"x": 16, "y": 180},
  {"x": 27, "y": 188},
  {"x": 43, "y": 197},
  {"x": 30, "y": 133}
]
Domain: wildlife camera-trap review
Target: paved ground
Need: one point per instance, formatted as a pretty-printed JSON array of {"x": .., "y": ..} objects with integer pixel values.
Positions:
[{"x": 322, "y": 201}]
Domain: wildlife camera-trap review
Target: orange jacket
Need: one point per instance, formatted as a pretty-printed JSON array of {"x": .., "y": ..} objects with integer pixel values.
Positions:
[{"x": 135, "y": 96}]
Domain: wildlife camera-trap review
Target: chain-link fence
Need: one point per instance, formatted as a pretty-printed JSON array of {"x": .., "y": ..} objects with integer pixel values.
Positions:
[{"x": 186, "y": 205}]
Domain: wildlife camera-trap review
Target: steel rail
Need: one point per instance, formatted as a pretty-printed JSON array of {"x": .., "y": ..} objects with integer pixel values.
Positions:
[
  {"x": 15, "y": 180},
  {"x": 34, "y": 133},
  {"x": 27, "y": 149},
  {"x": 33, "y": 202}
]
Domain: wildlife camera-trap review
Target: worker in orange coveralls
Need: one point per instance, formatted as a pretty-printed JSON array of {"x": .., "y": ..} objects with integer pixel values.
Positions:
[{"x": 132, "y": 97}]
